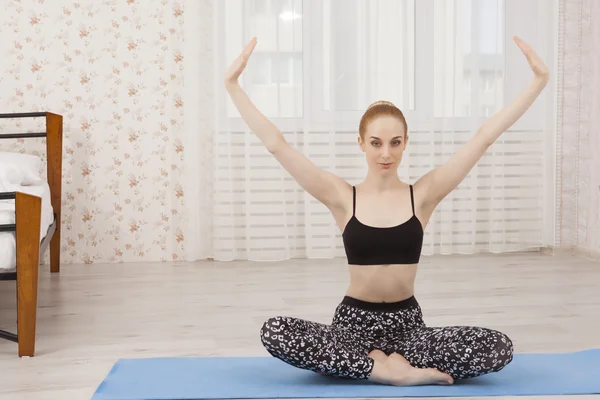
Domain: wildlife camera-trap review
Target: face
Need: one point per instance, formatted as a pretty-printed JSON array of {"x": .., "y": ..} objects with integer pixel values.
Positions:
[{"x": 384, "y": 142}]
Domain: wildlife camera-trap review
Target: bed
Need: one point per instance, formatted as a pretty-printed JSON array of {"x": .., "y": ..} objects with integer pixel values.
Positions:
[{"x": 30, "y": 210}]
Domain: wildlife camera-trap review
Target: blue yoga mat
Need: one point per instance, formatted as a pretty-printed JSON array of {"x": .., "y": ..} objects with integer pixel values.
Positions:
[{"x": 267, "y": 377}]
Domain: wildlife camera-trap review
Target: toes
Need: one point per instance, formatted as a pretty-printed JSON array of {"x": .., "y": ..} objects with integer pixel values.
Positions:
[
  {"x": 440, "y": 377},
  {"x": 378, "y": 355}
]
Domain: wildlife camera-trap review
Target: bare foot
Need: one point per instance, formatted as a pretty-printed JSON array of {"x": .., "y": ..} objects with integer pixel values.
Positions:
[
  {"x": 397, "y": 371},
  {"x": 378, "y": 355}
]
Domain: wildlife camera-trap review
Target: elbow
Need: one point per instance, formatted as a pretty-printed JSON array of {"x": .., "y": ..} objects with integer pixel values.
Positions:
[
  {"x": 275, "y": 146},
  {"x": 485, "y": 138}
]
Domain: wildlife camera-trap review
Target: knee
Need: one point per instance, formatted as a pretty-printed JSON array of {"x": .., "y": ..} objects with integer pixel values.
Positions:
[
  {"x": 503, "y": 345},
  {"x": 500, "y": 350},
  {"x": 272, "y": 332},
  {"x": 274, "y": 325},
  {"x": 488, "y": 351}
]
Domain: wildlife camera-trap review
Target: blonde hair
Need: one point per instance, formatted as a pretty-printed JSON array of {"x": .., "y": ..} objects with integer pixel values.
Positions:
[
  {"x": 379, "y": 102},
  {"x": 378, "y": 109}
]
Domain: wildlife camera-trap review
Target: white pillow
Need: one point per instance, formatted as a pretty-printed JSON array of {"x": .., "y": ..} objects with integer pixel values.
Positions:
[
  {"x": 10, "y": 173},
  {"x": 27, "y": 164}
]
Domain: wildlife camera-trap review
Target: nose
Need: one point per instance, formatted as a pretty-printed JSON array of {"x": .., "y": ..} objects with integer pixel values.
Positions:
[{"x": 385, "y": 152}]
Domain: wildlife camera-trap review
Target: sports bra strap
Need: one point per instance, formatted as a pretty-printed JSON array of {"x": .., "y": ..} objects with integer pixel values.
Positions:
[
  {"x": 412, "y": 200},
  {"x": 353, "y": 200}
]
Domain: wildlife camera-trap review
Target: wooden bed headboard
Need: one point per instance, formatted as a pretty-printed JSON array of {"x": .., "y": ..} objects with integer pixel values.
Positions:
[{"x": 54, "y": 146}]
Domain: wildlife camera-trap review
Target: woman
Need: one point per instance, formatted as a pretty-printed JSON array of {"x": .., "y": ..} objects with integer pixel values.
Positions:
[{"x": 377, "y": 332}]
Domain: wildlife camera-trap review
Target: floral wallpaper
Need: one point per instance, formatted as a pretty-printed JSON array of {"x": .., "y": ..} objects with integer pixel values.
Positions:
[
  {"x": 113, "y": 69},
  {"x": 579, "y": 155}
]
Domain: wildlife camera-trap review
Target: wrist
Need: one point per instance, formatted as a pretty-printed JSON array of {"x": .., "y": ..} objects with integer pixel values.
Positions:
[
  {"x": 231, "y": 85},
  {"x": 542, "y": 80}
]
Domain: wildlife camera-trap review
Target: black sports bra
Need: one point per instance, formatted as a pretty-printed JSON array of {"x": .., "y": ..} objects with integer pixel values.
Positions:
[{"x": 370, "y": 245}]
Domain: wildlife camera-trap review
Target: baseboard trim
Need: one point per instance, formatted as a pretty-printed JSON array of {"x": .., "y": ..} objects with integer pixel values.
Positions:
[{"x": 572, "y": 251}]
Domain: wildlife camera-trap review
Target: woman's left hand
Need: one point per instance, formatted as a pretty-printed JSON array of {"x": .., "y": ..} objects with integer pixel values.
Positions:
[{"x": 538, "y": 66}]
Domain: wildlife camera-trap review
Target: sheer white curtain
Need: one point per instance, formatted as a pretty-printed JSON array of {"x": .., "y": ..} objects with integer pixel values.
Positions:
[{"x": 318, "y": 64}]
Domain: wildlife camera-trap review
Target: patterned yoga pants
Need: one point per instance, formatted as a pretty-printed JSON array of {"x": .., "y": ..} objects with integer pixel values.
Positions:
[{"x": 358, "y": 327}]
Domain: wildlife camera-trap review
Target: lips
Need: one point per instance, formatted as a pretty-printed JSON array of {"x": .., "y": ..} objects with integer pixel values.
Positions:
[{"x": 387, "y": 165}]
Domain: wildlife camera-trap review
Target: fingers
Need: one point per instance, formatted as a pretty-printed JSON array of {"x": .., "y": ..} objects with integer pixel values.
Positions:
[
  {"x": 239, "y": 64},
  {"x": 535, "y": 62},
  {"x": 525, "y": 48},
  {"x": 249, "y": 48}
]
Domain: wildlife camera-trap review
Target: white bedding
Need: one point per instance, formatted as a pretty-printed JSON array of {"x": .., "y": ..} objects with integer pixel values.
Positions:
[{"x": 7, "y": 216}]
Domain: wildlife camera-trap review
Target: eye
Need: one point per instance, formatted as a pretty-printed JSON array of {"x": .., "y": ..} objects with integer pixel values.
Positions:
[
  {"x": 396, "y": 142},
  {"x": 375, "y": 143}
]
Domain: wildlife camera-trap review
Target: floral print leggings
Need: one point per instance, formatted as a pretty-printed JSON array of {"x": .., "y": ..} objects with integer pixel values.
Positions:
[{"x": 358, "y": 327}]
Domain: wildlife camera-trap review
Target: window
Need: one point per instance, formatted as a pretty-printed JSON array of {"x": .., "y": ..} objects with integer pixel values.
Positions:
[
  {"x": 468, "y": 41},
  {"x": 432, "y": 58},
  {"x": 274, "y": 75}
]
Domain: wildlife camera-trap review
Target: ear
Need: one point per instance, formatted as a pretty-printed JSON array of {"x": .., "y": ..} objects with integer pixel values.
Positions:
[{"x": 361, "y": 143}]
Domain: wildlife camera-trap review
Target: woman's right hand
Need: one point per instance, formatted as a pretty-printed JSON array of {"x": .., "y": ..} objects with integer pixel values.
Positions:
[{"x": 237, "y": 66}]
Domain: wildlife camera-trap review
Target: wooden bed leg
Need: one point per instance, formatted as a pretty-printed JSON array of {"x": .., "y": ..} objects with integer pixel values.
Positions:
[
  {"x": 28, "y": 220},
  {"x": 54, "y": 136},
  {"x": 55, "y": 249}
]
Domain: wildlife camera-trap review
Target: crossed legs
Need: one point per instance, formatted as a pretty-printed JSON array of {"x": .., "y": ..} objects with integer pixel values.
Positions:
[{"x": 405, "y": 353}]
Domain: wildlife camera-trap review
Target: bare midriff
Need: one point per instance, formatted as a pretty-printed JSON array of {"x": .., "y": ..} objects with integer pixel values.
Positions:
[{"x": 382, "y": 283}]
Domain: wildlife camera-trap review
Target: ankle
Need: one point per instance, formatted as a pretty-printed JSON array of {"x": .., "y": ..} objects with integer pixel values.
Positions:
[{"x": 380, "y": 373}]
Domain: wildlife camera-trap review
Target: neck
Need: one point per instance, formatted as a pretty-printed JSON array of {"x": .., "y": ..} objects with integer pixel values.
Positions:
[{"x": 381, "y": 182}]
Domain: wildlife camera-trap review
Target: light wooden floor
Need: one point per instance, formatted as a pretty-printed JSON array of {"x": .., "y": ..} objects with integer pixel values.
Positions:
[{"x": 89, "y": 316}]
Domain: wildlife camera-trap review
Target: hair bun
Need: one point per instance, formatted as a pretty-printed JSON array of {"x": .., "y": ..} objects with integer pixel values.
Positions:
[{"x": 381, "y": 102}]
